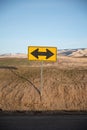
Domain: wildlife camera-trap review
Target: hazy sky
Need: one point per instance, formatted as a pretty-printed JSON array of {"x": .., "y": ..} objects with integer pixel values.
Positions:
[{"x": 58, "y": 23}]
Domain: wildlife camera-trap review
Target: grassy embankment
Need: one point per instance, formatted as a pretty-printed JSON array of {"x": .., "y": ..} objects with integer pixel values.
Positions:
[{"x": 64, "y": 84}]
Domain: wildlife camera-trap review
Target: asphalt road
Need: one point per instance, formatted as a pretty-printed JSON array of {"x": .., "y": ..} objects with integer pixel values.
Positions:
[{"x": 43, "y": 122}]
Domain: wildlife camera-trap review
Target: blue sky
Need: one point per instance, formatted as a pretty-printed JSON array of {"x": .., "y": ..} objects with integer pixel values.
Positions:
[{"x": 58, "y": 23}]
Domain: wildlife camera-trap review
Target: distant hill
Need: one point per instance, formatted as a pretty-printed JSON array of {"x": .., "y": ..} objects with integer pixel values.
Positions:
[
  {"x": 73, "y": 52},
  {"x": 15, "y": 55},
  {"x": 66, "y": 52},
  {"x": 79, "y": 53}
]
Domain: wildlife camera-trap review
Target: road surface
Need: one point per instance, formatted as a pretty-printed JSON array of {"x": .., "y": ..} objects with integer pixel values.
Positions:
[{"x": 43, "y": 122}]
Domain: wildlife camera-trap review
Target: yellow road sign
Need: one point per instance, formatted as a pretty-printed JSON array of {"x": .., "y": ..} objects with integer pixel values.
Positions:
[{"x": 42, "y": 53}]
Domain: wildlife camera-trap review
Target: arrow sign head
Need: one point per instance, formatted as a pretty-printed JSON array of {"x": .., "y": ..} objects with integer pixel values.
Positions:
[
  {"x": 35, "y": 53},
  {"x": 48, "y": 54}
]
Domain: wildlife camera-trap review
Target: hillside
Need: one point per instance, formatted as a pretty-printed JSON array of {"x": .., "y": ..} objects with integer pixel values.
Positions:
[
  {"x": 15, "y": 55},
  {"x": 64, "y": 84},
  {"x": 73, "y": 52},
  {"x": 79, "y": 53}
]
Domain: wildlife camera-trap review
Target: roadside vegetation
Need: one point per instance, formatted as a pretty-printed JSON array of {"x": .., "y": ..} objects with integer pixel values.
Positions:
[{"x": 64, "y": 85}]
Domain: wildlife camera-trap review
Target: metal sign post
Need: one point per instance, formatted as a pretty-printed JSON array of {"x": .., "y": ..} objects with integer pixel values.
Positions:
[{"x": 41, "y": 87}]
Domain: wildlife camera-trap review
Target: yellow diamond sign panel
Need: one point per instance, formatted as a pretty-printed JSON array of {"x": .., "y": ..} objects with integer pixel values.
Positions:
[{"x": 42, "y": 53}]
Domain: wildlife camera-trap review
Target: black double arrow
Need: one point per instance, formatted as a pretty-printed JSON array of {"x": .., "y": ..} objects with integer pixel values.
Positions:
[{"x": 37, "y": 53}]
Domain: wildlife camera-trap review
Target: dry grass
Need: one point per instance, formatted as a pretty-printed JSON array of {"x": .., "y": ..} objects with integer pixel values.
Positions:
[{"x": 64, "y": 84}]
